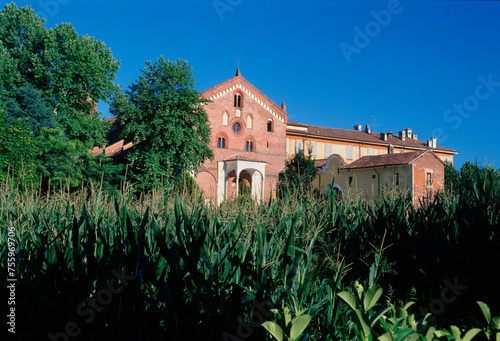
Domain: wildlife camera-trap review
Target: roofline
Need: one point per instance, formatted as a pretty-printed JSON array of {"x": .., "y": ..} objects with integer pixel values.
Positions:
[
  {"x": 393, "y": 165},
  {"x": 343, "y": 169},
  {"x": 276, "y": 107},
  {"x": 301, "y": 133}
]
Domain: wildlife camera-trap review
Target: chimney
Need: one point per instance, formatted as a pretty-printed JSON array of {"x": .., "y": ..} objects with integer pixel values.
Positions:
[
  {"x": 283, "y": 106},
  {"x": 432, "y": 143},
  {"x": 383, "y": 136},
  {"x": 367, "y": 129},
  {"x": 414, "y": 136},
  {"x": 402, "y": 135},
  {"x": 357, "y": 127},
  {"x": 408, "y": 133}
]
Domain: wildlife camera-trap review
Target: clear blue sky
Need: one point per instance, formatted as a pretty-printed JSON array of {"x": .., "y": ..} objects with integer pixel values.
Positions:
[{"x": 433, "y": 66}]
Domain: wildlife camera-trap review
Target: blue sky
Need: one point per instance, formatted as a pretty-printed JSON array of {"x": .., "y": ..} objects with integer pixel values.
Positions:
[{"x": 433, "y": 66}]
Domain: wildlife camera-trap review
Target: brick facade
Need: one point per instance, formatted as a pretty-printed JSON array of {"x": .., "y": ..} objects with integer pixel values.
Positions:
[
  {"x": 246, "y": 125},
  {"x": 251, "y": 139},
  {"x": 428, "y": 177}
]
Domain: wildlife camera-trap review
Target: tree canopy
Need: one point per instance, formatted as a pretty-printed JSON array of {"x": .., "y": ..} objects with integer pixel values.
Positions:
[
  {"x": 50, "y": 83},
  {"x": 28, "y": 105},
  {"x": 300, "y": 172},
  {"x": 73, "y": 72},
  {"x": 164, "y": 115}
]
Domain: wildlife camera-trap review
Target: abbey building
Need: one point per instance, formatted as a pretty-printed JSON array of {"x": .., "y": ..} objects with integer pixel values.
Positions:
[{"x": 252, "y": 138}]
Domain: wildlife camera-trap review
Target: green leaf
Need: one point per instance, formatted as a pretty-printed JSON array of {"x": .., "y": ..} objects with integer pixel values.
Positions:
[
  {"x": 348, "y": 298},
  {"x": 378, "y": 315},
  {"x": 495, "y": 322},
  {"x": 362, "y": 322},
  {"x": 430, "y": 333},
  {"x": 299, "y": 324},
  {"x": 371, "y": 297},
  {"x": 455, "y": 331},
  {"x": 470, "y": 334},
  {"x": 486, "y": 311},
  {"x": 386, "y": 337},
  {"x": 287, "y": 316},
  {"x": 274, "y": 329}
]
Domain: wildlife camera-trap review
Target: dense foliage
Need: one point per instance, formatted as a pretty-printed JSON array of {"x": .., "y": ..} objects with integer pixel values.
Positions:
[
  {"x": 300, "y": 171},
  {"x": 72, "y": 71},
  {"x": 164, "y": 115},
  {"x": 50, "y": 80},
  {"x": 334, "y": 270}
]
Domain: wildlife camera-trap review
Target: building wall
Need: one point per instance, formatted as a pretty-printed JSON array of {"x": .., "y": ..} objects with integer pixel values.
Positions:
[
  {"x": 427, "y": 164},
  {"x": 368, "y": 183},
  {"x": 268, "y": 146},
  {"x": 371, "y": 182},
  {"x": 326, "y": 147}
]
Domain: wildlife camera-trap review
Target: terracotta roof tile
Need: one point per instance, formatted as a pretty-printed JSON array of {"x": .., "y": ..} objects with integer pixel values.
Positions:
[
  {"x": 320, "y": 163},
  {"x": 356, "y": 135},
  {"x": 371, "y": 161}
]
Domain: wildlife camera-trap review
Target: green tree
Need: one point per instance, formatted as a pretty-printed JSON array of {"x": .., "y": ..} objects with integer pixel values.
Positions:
[
  {"x": 8, "y": 74},
  {"x": 73, "y": 72},
  {"x": 300, "y": 172},
  {"x": 164, "y": 115},
  {"x": 451, "y": 178},
  {"x": 28, "y": 105},
  {"x": 17, "y": 150}
]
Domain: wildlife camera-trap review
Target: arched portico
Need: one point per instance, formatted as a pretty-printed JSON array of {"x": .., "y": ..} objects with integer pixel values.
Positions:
[{"x": 235, "y": 169}]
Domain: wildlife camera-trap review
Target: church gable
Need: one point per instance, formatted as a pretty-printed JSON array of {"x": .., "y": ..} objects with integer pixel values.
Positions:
[
  {"x": 243, "y": 119},
  {"x": 239, "y": 85}
]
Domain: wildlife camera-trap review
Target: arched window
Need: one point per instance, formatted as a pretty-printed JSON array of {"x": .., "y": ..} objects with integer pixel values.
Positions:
[
  {"x": 270, "y": 125},
  {"x": 249, "y": 147},
  {"x": 225, "y": 119},
  {"x": 221, "y": 142},
  {"x": 249, "y": 122},
  {"x": 237, "y": 101}
]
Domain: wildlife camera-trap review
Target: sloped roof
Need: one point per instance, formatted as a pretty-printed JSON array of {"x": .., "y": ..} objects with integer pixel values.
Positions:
[
  {"x": 320, "y": 163},
  {"x": 394, "y": 159},
  {"x": 356, "y": 135},
  {"x": 239, "y": 82}
]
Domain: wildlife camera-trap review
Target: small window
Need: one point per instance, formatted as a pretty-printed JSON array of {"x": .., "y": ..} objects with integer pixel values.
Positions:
[
  {"x": 370, "y": 151},
  {"x": 221, "y": 142},
  {"x": 350, "y": 180},
  {"x": 429, "y": 179},
  {"x": 328, "y": 149},
  {"x": 374, "y": 176},
  {"x": 397, "y": 178},
  {"x": 236, "y": 127},
  {"x": 270, "y": 125},
  {"x": 299, "y": 145},
  {"x": 287, "y": 145},
  {"x": 249, "y": 122},
  {"x": 349, "y": 152},
  {"x": 237, "y": 101},
  {"x": 313, "y": 147},
  {"x": 225, "y": 119},
  {"x": 249, "y": 147}
]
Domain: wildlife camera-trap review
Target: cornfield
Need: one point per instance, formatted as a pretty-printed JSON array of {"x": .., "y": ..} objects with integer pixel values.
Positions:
[{"x": 156, "y": 266}]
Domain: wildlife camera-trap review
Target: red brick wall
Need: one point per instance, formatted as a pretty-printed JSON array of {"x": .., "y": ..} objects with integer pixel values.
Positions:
[
  {"x": 268, "y": 146},
  {"x": 428, "y": 163}
]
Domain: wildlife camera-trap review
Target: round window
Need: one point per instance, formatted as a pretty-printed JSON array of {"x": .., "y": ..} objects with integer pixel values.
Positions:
[{"x": 236, "y": 127}]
